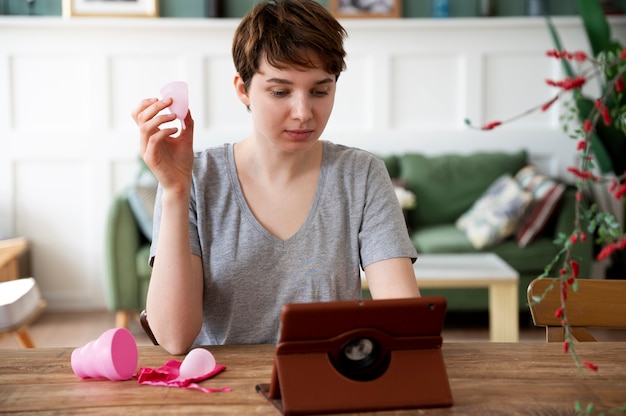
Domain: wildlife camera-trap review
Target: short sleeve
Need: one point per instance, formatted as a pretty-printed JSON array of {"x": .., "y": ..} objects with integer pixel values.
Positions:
[{"x": 383, "y": 233}]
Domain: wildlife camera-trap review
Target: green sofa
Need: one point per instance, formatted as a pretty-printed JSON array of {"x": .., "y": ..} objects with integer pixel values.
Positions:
[
  {"x": 127, "y": 251},
  {"x": 127, "y": 246},
  {"x": 446, "y": 186}
]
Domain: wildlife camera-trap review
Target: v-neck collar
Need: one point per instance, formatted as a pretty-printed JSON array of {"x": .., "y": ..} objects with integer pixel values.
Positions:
[{"x": 247, "y": 212}]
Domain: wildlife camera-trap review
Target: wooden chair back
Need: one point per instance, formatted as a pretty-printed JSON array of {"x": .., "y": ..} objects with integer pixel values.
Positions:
[{"x": 598, "y": 303}]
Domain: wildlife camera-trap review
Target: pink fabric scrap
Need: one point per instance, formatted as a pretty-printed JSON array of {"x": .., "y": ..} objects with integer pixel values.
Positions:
[{"x": 167, "y": 375}]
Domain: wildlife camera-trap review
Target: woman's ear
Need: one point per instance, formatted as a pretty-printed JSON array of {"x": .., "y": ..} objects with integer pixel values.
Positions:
[{"x": 240, "y": 89}]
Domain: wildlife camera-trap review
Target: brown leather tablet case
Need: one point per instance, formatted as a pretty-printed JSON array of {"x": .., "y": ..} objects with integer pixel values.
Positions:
[{"x": 352, "y": 356}]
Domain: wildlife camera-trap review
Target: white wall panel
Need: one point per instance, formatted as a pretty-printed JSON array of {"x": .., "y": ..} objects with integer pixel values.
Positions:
[
  {"x": 67, "y": 87},
  {"x": 509, "y": 91},
  {"x": 50, "y": 92},
  {"x": 53, "y": 208},
  {"x": 358, "y": 88},
  {"x": 426, "y": 91},
  {"x": 222, "y": 109},
  {"x": 122, "y": 173},
  {"x": 138, "y": 76}
]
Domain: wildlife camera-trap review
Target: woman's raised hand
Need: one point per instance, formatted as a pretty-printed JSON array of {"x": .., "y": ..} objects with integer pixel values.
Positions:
[{"x": 169, "y": 158}]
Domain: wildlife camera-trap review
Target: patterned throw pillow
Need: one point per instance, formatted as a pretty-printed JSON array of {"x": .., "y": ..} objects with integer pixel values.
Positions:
[
  {"x": 141, "y": 198},
  {"x": 496, "y": 214},
  {"x": 547, "y": 193}
]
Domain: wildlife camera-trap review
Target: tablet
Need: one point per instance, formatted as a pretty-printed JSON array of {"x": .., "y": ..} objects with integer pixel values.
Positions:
[{"x": 352, "y": 356}]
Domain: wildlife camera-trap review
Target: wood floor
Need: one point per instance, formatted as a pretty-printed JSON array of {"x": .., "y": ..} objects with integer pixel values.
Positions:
[
  {"x": 63, "y": 329},
  {"x": 73, "y": 329}
]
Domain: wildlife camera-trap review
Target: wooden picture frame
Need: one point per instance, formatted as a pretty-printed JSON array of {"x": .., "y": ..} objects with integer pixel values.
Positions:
[
  {"x": 111, "y": 8},
  {"x": 366, "y": 8}
]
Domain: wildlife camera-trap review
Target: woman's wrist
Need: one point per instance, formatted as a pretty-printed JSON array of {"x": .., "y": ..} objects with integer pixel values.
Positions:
[{"x": 176, "y": 195}]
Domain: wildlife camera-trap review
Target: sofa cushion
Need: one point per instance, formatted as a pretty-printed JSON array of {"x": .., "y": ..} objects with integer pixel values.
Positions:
[
  {"x": 531, "y": 259},
  {"x": 143, "y": 275},
  {"x": 141, "y": 197},
  {"x": 547, "y": 194},
  {"x": 392, "y": 163},
  {"x": 495, "y": 215},
  {"x": 442, "y": 238},
  {"x": 448, "y": 239},
  {"x": 447, "y": 185},
  {"x": 142, "y": 262}
]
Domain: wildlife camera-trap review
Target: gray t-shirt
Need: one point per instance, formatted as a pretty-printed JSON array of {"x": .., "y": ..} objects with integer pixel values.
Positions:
[{"x": 355, "y": 220}]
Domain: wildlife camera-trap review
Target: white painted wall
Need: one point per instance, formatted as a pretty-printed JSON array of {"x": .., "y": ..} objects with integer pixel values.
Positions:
[{"x": 68, "y": 144}]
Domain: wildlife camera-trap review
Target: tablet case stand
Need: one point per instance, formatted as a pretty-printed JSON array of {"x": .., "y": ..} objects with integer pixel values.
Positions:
[{"x": 353, "y": 356}]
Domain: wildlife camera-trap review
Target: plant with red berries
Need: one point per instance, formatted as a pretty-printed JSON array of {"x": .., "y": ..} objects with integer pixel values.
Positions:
[{"x": 600, "y": 140}]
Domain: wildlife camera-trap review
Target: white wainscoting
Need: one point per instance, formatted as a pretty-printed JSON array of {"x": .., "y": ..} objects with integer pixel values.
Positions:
[{"x": 67, "y": 88}]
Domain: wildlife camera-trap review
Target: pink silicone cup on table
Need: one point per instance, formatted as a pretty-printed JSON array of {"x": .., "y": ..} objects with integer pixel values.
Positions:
[
  {"x": 113, "y": 355},
  {"x": 197, "y": 364},
  {"x": 179, "y": 92}
]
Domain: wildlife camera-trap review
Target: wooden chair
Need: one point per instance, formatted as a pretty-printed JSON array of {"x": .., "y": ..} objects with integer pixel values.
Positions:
[
  {"x": 598, "y": 303},
  {"x": 20, "y": 329},
  {"x": 10, "y": 252}
]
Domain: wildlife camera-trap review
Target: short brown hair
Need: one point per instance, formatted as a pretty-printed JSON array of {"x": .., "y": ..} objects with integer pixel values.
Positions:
[{"x": 283, "y": 32}]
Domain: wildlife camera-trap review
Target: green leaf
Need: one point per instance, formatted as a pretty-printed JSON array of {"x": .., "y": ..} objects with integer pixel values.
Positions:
[
  {"x": 596, "y": 25},
  {"x": 608, "y": 143},
  {"x": 578, "y": 406},
  {"x": 614, "y": 142}
]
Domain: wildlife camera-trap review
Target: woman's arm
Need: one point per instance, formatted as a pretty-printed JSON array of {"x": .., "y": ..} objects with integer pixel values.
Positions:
[
  {"x": 392, "y": 278},
  {"x": 174, "y": 302}
]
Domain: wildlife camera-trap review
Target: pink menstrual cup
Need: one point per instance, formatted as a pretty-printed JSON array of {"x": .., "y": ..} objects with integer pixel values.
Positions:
[
  {"x": 179, "y": 91},
  {"x": 114, "y": 356},
  {"x": 197, "y": 364}
]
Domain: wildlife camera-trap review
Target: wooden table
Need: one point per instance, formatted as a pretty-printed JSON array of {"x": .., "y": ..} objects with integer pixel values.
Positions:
[
  {"x": 475, "y": 270},
  {"x": 485, "y": 378}
]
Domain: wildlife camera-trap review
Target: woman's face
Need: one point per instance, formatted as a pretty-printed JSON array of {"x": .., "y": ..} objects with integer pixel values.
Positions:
[{"x": 290, "y": 106}]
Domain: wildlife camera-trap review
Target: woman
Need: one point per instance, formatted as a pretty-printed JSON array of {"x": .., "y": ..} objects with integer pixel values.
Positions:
[{"x": 278, "y": 217}]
